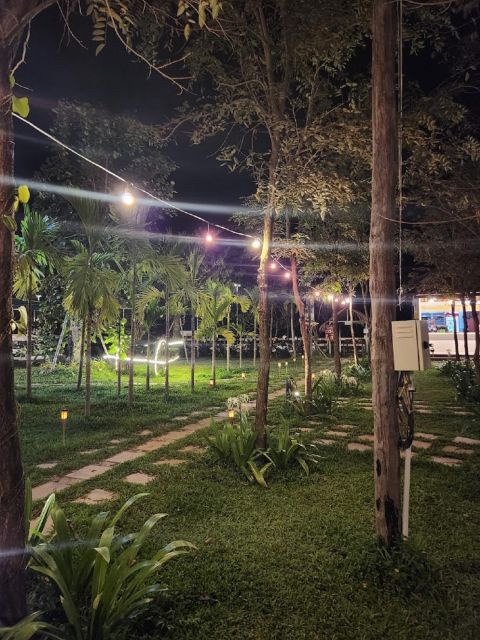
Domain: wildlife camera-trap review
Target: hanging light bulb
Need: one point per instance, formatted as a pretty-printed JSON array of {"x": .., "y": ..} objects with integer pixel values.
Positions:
[
  {"x": 208, "y": 236},
  {"x": 273, "y": 265},
  {"x": 127, "y": 197},
  {"x": 256, "y": 244},
  {"x": 287, "y": 275}
]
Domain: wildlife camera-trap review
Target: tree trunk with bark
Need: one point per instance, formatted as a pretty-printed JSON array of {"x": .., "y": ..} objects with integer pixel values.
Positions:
[
  {"x": 476, "y": 355},
  {"x": 292, "y": 331},
  {"x": 455, "y": 333},
  {"x": 147, "y": 376},
  {"x": 192, "y": 354},
  {"x": 214, "y": 366},
  {"x": 167, "y": 342},
  {"x": 382, "y": 276},
  {"x": 29, "y": 339},
  {"x": 465, "y": 327},
  {"x": 304, "y": 330},
  {"x": 119, "y": 362},
  {"x": 336, "y": 340},
  {"x": 88, "y": 366},
  {"x": 133, "y": 328},
  {"x": 254, "y": 340},
  {"x": 228, "y": 345},
  {"x": 12, "y": 534},
  {"x": 240, "y": 344},
  {"x": 352, "y": 329},
  {"x": 82, "y": 353}
]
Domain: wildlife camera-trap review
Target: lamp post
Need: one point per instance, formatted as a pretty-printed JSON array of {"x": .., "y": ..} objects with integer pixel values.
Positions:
[
  {"x": 63, "y": 420},
  {"x": 231, "y": 415}
]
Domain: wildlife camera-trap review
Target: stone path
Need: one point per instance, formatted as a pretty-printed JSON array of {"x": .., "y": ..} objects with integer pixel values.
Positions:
[{"x": 59, "y": 483}]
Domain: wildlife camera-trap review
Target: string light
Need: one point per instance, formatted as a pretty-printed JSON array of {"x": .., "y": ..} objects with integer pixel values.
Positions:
[
  {"x": 127, "y": 198},
  {"x": 208, "y": 236},
  {"x": 273, "y": 266},
  {"x": 287, "y": 275},
  {"x": 256, "y": 244}
]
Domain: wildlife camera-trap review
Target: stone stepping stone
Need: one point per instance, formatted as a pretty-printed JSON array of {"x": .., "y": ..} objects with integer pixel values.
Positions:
[
  {"x": 345, "y": 427},
  {"x": 463, "y": 413},
  {"x": 303, "y": 429},
  {"x": 139, "y": 478},
  {"x": 419, "y": 444},
  {"x": 367, "y": 437},
  {"x": 170, "y": 462},
  {"x": 469, "y": 441},
  {"x": 42, "y": 491},
  {"x": 336, "y": 434},
  {"x": 87, "y": 451},
  {"x": 426, "y": 436},
  {"x": 145, "y": 432},
  {"x": 180, "y": 418},
  {"x": 124, "y": 456},
  {"x": 424, "y": 411},
  {"x": 47, "y": 465},
  {"x": 117, "y": 440},
  {"x": 324, "y": 442},
  {"x": 90, "y": 471},
  {"x": 356, "y": 446},
  {"x": 95, "y": 496},
  {"x": 366, "y": 408},
  {"x": 448, "y": 462},
  {"x": 458, "y": 450},
  {"x": 191, "y": 449}
]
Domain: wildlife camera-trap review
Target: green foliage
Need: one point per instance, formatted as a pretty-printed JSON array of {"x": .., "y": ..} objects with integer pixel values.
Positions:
[
  {"x": 101, "y": 579},
  {"x": 462, "y": 376},
  {"x": 284, "y": 451},
  {"x": 111, "y": 339},
  {"x": 325, "y": 392}
]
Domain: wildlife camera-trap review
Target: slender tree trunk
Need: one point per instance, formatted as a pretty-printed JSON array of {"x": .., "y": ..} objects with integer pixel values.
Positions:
[
  {"x": 455, "y": 333},
  {"x": 336, "y": 340},
  {"x": 82, "y": 353},
  {"x": 364, "y": 289},
  {"x": 304, "y": 330},
  {"x": 133, "y": 328},
  {"x": 465, "y": 327},
  {"x": 254, "y": 340},
  {"x": 476, "y": 355},
  {"x": 88, "y": 366},
  {"x": 241, "y": 355},
  {"x": 228, "y": 346},
  {"x": 271, "y": 326},
  {"x": 192, "y": 354},
  {"x": 147, "y": 377},
  {"x": 29, "y": 339},
  {"x": 197, "y": 342},
  {"x": 119, "y": 362},
  {"x": 382, "y": 276},
  {"x": 352, "y": 330},
  {"x": 12, "y": 534},
  {"x": 214, "y": 366},
  {"x": 292, "y": 331},
  {"x": 167, "y": 342}
]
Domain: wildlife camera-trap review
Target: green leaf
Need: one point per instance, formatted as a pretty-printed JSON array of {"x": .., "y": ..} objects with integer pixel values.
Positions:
[
  {"x": 23, "y": 193},
  {"x": 9, "y": 222},
  {"x": 20, "y": 106}
]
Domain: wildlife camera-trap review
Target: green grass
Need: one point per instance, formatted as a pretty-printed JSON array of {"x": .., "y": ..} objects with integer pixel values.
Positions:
[{"x": 295, "y": 561}]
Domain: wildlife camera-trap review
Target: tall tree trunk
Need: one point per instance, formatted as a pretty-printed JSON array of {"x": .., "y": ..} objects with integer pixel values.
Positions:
[
  {"x": 82, "y": 353},
  {"x": 465, "y": 327},
  {"x": 241, "y": 355},
  {"x": 29, "y": 338},
  {"x": 214, "y": 366},
  {"x": 292, "y": 331},
  {"x": 119, "y": 362},
  {"x": 264, "y": 342},
  {"x": 147, "y": 377},
  {"x": 12, "y": 534},
  {"x": 336, "y": 340},
  {"x": 254, "y": 340},
  {"x": 133, "y": 328},
  {"x": 382, "y": 276},
  {"x": 364, "y": 289},
  {"x": 88, "y": 366},
  {"x": 304, "y": 330},
  {"x": 476, "y": 355},
  {"x": 167, "y": 342},
  {"x": 352, "y": 329},
  {"x": 455, "y": 333},
  {"x": 228, "y": 346},
  {"x": 192, "y": 354}
]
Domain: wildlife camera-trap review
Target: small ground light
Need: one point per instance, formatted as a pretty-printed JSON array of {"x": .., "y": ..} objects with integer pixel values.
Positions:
[
  {"x": 314, "y": 375},
  {"x": 63, "y": 419},
  {"x": 256, "y": 244},
  {"x": 244, "y": 375},
  {"x": 231, "y": 415},
  {"x": 279, "y": 365},
  {"x": 212, "y": 382},
  {"x": 296, "y": 394},
  {"x": 127, "y": 198}
]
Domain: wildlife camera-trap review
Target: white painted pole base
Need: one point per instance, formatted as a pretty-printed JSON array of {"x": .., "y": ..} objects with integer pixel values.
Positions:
[{"x": 406, "y": 492}]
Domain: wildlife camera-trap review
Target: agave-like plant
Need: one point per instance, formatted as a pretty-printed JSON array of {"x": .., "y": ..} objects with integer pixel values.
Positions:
[
  {"x": 284, "y": 451},
  {"x": 101, "y": 579}
]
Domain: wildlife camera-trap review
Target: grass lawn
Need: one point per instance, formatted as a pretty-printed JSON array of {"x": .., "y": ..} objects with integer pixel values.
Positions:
[{"x": 295, "y": 561}]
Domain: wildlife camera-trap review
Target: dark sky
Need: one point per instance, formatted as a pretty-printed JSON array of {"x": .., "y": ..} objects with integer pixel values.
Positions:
[{"x": 59, "y": 68}]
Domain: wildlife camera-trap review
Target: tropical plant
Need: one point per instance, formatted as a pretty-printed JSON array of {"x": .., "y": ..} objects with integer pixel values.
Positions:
[
  {"x": 325, "y": 392},
  {"x": 101, "y": 580},
  {"x": 35, "y": 255},
  {"x": 235, "y": 445},
  {"x": 283, "y": 450}
]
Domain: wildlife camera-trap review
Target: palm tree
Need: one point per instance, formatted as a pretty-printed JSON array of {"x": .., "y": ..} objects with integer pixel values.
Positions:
[
  {"x": 35, "y": 253},
  {"x": 90, "y": 295},
  {"x": 214, "y": 302}
]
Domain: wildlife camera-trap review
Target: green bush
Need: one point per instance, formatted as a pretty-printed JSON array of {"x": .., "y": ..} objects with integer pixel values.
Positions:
[
  {"x": 462, "y": 376},
  {"x": 284, "y": 451},
  {"x": 100, "y": 578},
  {"x": 325, "y": 392}
]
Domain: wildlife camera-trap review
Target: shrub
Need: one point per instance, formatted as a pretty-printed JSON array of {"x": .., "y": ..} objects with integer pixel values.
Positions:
[
  {"x": 325, "y": 392},
  {"x": 462, "y": 376},
  {"x": 284, "y": 451},
  {"x": 100, "y": 578}
]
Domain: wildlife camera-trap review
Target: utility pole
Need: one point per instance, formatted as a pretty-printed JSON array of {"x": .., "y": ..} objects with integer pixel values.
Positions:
[{"x": 382, "y": 275}]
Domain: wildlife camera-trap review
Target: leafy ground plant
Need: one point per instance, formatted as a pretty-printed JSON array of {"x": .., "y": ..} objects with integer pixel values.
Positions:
[
  {"x": 284, "y": 451},
  {"x": 100, "y": 579}
]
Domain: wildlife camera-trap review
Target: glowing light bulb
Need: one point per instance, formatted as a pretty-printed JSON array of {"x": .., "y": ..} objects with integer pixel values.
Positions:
[
  {"x": 209, "y": 237},
  {"x": 330, "y": 297},
  {"x": 256, "y": 244},
  {"x": 287, "y": 275},
  {"x": 273, "y": 266},
  {"x": 127, "y": 198}
]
